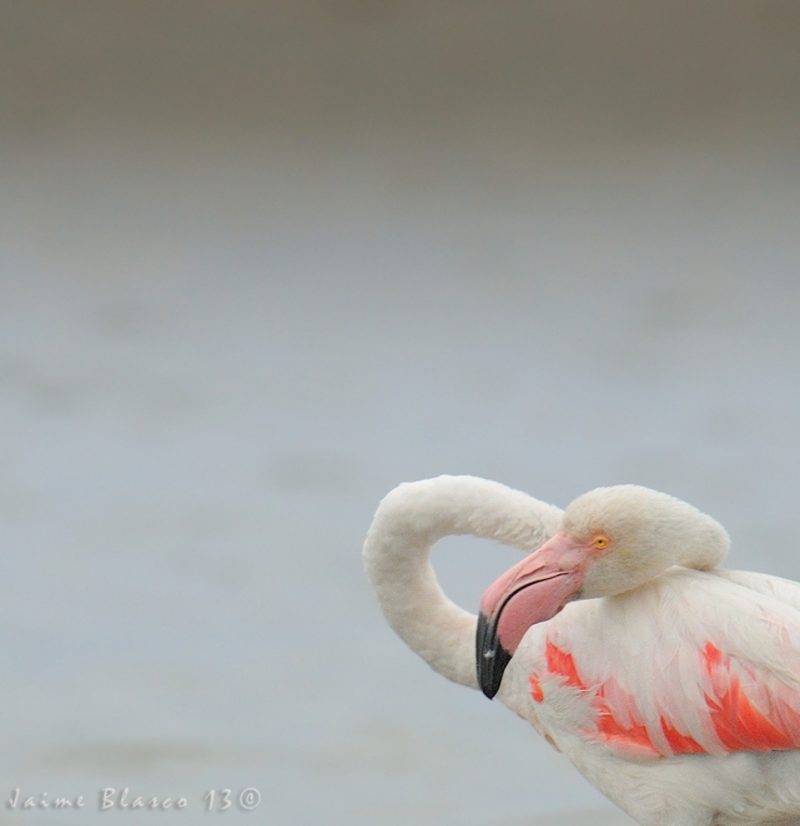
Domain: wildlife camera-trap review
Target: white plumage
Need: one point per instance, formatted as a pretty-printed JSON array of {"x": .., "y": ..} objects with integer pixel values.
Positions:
[{"x": 674, "y": 689}]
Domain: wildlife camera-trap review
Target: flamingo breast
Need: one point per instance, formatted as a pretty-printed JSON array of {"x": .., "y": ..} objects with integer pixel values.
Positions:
[{"x": 646, "y": 679}]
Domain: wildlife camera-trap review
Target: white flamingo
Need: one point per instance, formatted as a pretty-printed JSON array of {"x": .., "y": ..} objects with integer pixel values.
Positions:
[{"x": 674, "y": 687}]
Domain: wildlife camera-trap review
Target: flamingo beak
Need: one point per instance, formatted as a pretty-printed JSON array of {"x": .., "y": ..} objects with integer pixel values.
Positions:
[{"x": 533, "y": 591}]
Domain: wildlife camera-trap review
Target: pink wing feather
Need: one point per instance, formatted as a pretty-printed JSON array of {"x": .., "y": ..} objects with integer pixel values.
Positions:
[{"x": 695, "y": 663}]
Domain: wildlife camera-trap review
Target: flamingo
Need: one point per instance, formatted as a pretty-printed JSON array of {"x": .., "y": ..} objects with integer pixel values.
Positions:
[{"x": 672, "y": 685}]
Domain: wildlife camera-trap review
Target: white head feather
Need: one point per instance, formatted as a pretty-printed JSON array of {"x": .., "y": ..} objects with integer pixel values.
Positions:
[{"x": 648, "y": 531}]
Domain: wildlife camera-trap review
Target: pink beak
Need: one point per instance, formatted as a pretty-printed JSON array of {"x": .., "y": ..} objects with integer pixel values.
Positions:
[{"x": 533, "y": 591}]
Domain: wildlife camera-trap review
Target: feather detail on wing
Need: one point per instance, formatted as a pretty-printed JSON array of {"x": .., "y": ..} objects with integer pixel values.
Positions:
[{"x": 693, "y": 663}]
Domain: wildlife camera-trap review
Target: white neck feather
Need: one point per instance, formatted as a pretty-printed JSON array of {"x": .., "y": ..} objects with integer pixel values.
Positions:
[{"x": 409, "y": 520}]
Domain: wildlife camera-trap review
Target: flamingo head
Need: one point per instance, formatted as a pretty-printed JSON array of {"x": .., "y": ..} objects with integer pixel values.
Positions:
[{"x": 611, "y": 540}]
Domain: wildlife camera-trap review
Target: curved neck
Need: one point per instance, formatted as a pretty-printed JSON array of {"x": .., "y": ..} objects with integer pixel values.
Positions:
[{"x": 409, "y": 520}]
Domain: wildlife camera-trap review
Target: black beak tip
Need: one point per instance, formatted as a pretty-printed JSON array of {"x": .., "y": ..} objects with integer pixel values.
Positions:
[{"x": 490, "y": 657}]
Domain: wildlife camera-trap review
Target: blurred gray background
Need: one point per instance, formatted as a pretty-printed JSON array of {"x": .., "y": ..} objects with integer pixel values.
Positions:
[{"x": 263, "y": 261}]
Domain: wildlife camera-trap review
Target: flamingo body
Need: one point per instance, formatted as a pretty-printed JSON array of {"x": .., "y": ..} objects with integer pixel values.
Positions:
[
  {"x": 680, "y": 701},
  {"x": 671, "y": 684}
]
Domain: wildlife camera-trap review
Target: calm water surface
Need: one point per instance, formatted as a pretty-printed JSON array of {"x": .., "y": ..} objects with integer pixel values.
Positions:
[{"x": 216, "y": 357}]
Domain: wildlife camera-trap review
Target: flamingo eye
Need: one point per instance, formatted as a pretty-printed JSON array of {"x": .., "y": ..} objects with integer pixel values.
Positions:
[{"x": 601, "y": 542}]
